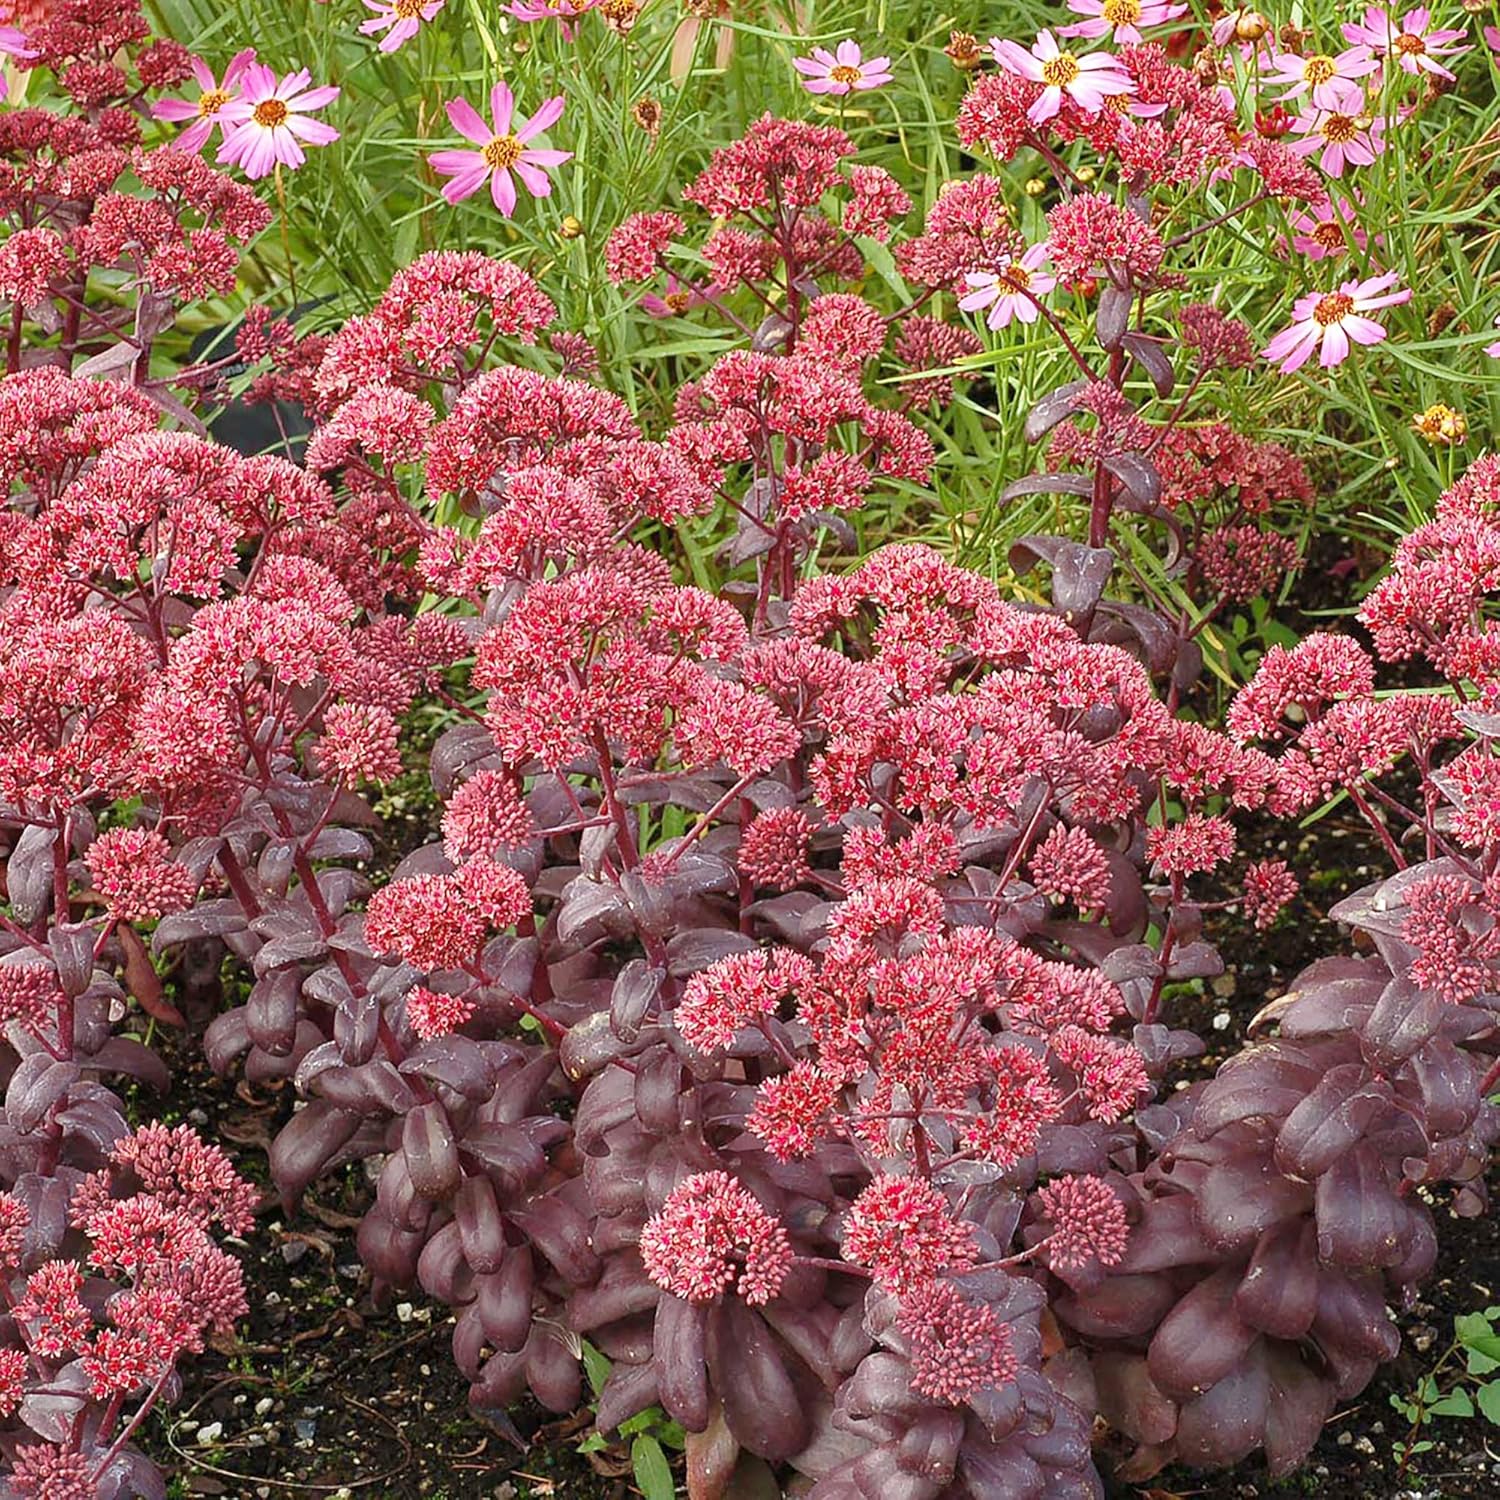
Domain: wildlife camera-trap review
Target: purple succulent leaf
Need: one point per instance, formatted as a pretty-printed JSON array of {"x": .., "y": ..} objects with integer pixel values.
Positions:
[
  {"x": 1056, "y": 406},
  {"x": 1279, "y": 1291},
  {"x": 455, "y": 1062},
  {"x": 39, "y": 1083},
  {"x": 761, "y": 1405},
  {"x": 1331, "y": 1119},
  {"x": 1112, "y": 315},
  {"x": 504, "y": 1301},
  {"x": 306, "y": 1145},
  {"x": 209, "y": 919},
  {"x": 431, "y": 1151},
  {"x": 630, "y": 1390},
  {"x": 697, "y": 947},
  {"x": 561, "y": 1233},
  {"x": 680, "y": 1336},
  {"x": 28, "y": 873},
  {"x": 1202, "y": 1339},
  {"x": 1151, "y": 357},
  {"x": 1228, "y": 1421},
  {"x": 1079, "y": 573},
  {"x": 480, "y": 1225},
  {"x": 1362, "y": 1223}
]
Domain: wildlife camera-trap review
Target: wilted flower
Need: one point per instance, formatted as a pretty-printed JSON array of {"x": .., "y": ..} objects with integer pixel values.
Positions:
[{"x": 1441, "y": 425}]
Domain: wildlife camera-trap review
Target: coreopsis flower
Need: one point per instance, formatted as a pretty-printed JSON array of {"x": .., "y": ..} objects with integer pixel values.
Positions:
[
  {"x": 503, "y": 149},
  {"x": 1089, "y": 81},
  {"x": 267, "y": 124},
  {"x": 1328, "y": 321},
  {"x": 12, "y": 44},
  {"x": 207, "y": 110},
  {"x": 679, "y": 298},
  {"x": 1012, "y": 290},
  {"x": 561, "y": 11},
  {"x": 1415, "y": 47},
  {"x": 1324, "y": 76},
  {"x": 1088, "y": 1222},
  {"x": 1441, "y": 425},
  {"x": 1122, "y": 17},
  {"x": 713, "y": 1235},
  {"x": 399, "y": 19},
  {"x": 1326, "y": 229},
  {"x": 845, "y": 70},
  {"x": 1347, "y": 133}
]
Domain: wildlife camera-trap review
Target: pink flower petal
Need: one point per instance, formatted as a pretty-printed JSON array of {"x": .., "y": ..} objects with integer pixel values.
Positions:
[{"x": 466, "y": 121}]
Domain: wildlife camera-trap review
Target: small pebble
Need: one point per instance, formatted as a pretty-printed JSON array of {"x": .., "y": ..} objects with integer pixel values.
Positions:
[
  {"x": 210, "y": 1432},
  {"x": 404, "y": 1310}
]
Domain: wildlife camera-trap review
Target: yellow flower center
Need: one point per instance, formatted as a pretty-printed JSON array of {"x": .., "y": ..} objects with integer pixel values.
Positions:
[
  {"x": 1122, "y": 12},
  {"x": 408, "y": 10},
  {"x": 270, "y": 113},
  {"x": 679, "y": 302},
  {"x": 844, "y": 74},
  {"x": 212, "y": 102},
  {"x": 1061, "y": 71},
  {"x": 1412, "y": 46},
  {"x": 502, "y": 151},
  {"x": 1339, "y": 129},
  {"x": 1016, "y": 277},
  {"x": 1319, "y": 68},
  {"x": 1330, "y": 235},
  {"x": 1332, "y": 308}
]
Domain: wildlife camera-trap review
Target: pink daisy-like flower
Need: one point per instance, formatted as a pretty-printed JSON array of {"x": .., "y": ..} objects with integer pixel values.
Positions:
[
  {"x": 270, "y": 121},
  {"x": 562, "y": 11},
  {"x": 1089, "y": 81},
  {"x": 1324, "y": 75},
  {"x": 1493, "y": 350},
  {"x": 1122, "y": 17},
  {"x": 1011, "y": 290},
  {"x": 12, "y": 44},
  {"x": 1349, "y": 134},
  {"x": 1327, "y": 321},
  {"x": 207, "y": 110},
  {"x": 1413, "y": 46},
  {"x": 1326, "y": 229},
  {"x": 845, "y": 70},
  {"x": 401, "y": 20},
  {"x": 503, "y": 149},
  {"x": 679, "y": 298}
]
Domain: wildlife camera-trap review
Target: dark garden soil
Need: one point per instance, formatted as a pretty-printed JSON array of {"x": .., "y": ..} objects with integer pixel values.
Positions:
[{"x": 329, "y": 1394}]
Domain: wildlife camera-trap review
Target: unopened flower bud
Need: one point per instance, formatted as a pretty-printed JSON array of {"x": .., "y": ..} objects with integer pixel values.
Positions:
[{"x": 1251, "y": 26}]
